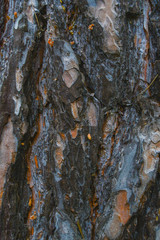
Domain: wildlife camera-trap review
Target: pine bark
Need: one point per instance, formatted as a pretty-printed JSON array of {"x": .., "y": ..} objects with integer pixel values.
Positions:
[{"x": 80, "y": 119}]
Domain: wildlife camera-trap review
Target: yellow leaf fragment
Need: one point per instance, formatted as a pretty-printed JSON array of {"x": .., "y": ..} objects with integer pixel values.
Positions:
[
  {"x": 8, "y": 18},
  {"x": 64, "y": 9},
  {"x": 15, "y": 14},
  {"x": 89, "y": 136},
  {"x": 91, "y": 26},
  {"x": 72, "y": 42}
]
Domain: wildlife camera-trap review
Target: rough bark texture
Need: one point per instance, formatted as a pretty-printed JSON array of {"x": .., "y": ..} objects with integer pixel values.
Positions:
[{"x": 79, "y": 130}]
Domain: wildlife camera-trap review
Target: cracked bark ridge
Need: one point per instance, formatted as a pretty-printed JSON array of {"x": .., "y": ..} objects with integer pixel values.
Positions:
[{"x": 79, "y": 120}]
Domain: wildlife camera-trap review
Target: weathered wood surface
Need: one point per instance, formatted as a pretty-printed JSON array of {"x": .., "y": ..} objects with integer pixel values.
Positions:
[{"x": 79, "y": 130}]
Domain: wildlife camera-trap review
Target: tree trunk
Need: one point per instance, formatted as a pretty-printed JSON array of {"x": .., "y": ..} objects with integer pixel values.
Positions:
[{"x": 80, "y": 119}]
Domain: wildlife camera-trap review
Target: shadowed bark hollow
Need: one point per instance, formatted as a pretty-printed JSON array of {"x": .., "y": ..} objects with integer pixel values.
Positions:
[{"x": 80, "y": 120}]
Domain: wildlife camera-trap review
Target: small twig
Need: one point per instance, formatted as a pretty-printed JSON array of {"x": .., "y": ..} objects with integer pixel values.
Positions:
[
  {"x": 35, "y": 16},
  {"x": 37, "y": 19},
  {"x": 59, "y": 212},
  {"x": 148, "y": 86},
  {"x": 80, "y": 229}
]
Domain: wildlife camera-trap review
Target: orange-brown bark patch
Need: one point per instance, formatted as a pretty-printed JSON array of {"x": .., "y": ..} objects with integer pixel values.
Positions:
[
  {"x": 39, "y": 125},
  {"x": 1, "y": 195},
  {"x": 74, "y": 109},
  {"x": 30, "y": 202},
  {"x": 74, "y": 132},
  {"x": 32, "y": 231},
  {"x": 44, "y": 122},
  {"x": 39, "y": 194},
  {"x": 135, "y": 40},
  {"x": 145, "y": 70},
  {"x": 63, "y": 136},
  {"x": 122, "y": 207},
  {"x": 36, "y": 161},
  {"x": 67, "y": 197},
  {"x": 92, "y": 115},
  {"x": 59, "y": 157},
  {"x": 33, "y": 217},
  {"x": 45, "y": 90},
  {"x": 13, "y": 157},
  {"x": 29, "y": 174}
]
